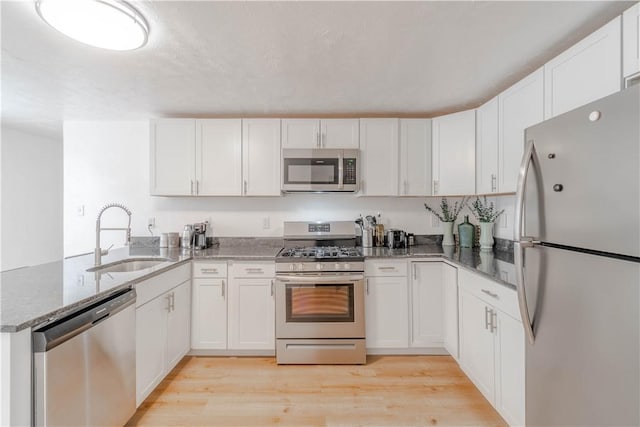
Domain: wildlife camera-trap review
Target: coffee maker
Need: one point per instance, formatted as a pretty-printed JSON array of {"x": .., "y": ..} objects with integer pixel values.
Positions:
[{"x": 200, "y": 235}]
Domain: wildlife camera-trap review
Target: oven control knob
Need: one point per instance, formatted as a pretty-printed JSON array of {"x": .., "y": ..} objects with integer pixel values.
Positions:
[
  {"x": 292, "y": 267},
  {"x": 319, "y": 266}
]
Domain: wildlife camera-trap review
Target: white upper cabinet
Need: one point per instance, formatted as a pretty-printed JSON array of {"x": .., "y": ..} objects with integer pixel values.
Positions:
[
  {"x": 261, "y": 157},
  {"x": 172, "y": 163},
  {"x": 589, "y": 70},
  {"x": 340, "y": 133},
  {"x": 379, "y": 157},
  {"x": 218, "y": 157},
  {"x": 631, "y": 41},
  {"x": 196, "y": 157},
  {"x": 415, "y": 157},
  {"x": 520, "y": 106},
  {"x": 320, "y": 133},
  {"x": 454, "y": 154},
  {"x": 487, "y": 148}
]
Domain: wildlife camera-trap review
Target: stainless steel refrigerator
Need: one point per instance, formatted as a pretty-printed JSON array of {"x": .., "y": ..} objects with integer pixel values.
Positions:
[{"x": 578, "y": 264}]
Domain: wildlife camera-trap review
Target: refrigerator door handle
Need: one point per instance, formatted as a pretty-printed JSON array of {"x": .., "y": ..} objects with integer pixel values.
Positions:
[{"x": 523, "y": 242}]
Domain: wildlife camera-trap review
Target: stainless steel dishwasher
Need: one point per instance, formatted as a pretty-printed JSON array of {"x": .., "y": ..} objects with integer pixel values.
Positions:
[{"x": 85, "y": 365}]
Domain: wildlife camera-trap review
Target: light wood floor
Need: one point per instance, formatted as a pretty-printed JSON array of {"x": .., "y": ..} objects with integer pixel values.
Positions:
[{"x": 252, "y": 391}]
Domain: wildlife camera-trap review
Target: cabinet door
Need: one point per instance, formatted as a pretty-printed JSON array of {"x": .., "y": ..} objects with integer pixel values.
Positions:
[
  {"x": 300, "y": 133},
  {"x": 178, "y": 324},
  {"x": 631, "y": 41},
  {"x": 450, "y": 290},
  {"x": 386, "y": 312},
  {"x": 415, "y": 157},
  {"x": 520, "y": 106},
  {"x": 340, "y": 133},
  {"x": 427, "y": 303},
  {"x": 510, "y": 369},
  {"x": 487, "y": 148},
  {"x": 261, "y": 157},
  {"x": 476, "y": 343},
  {"x": 454, "y": 153},
  {"x": 379, "y": 157},
  {"x": 151, "y": 346},
  {"x": 589, "y": 70},
  {"x": 251, "y": 314},
  {"x": 219, "y": 157},
  {"x": 209, "y": 314},
  {"x": 172, "y": 165}
]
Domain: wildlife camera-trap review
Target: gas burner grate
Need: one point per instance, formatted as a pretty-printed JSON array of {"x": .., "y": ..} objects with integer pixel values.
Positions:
[{"x": 321, "y": 252}]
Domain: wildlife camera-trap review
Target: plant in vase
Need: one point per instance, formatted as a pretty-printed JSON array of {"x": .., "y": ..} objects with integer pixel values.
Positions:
[
  {"x": 447, "y": 216},
  {"x": 486, "y": 214}
]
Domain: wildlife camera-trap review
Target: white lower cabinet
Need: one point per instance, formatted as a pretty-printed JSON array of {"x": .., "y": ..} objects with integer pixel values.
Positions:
[
  {"x": 251, "y": 306},
  {"x": 492, "y": 344},
  {"x": 427, "y": 304},
  {"x": 209, "y": 306},
  {"x": 386, "y": 304},
  {"x": 450, "y": 307},
  {"x": 163, "y": 310}
]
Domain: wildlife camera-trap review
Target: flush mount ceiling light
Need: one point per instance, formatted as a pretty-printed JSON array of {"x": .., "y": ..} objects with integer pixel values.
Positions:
[{"x": 108, "y": 24}]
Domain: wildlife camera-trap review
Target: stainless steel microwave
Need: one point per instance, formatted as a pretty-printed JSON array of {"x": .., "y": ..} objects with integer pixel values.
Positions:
[{"x": 322, "y": 169}]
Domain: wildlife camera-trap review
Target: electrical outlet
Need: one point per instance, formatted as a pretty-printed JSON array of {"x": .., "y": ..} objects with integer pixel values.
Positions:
[
  {"x": 266, "y": 223},
  {"x": 503, "y": 220},
  {"x": 151, "y": 222},
  {"x": 80, "y": 210}
]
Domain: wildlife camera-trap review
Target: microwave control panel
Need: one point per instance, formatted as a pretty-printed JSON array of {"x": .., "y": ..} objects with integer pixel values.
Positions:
[{"x": 349, "y": 171}]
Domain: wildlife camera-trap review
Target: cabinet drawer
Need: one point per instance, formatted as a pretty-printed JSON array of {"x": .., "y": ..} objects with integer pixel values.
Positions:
[
  {"x": 499, "y": 296},
  {"x": 385, "y": 268},
  {"x": 252, "y": 269},
  {"x": 209, "y": 269}
]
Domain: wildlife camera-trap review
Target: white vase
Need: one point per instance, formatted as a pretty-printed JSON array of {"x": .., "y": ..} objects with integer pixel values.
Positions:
[
  {"x": 486, "y": 235},
  {"x": 447, "y": 238}
]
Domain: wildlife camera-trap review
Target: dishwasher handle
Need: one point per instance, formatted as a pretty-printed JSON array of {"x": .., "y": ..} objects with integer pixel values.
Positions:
[{"x": 57, "y": 332}]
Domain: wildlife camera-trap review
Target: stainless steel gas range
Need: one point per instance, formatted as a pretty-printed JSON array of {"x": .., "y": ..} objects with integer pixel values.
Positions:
[{"x": 320, "y": 295}]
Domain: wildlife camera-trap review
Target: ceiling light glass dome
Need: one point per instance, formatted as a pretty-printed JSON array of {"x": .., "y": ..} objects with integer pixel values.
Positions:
[{"x": 108, "y": 24}]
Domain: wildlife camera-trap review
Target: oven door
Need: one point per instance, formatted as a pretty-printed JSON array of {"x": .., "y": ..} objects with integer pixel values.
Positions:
[{"x": 320, "y": 306}]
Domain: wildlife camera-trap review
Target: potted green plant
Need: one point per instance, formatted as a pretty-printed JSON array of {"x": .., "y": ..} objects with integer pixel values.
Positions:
[
  {"x": 447, "y": 216},
  {"x": 486, "y": 214}
]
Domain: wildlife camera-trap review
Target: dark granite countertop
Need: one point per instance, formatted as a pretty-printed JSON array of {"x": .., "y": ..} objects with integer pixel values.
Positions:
[{"x": 33, "y": 295}]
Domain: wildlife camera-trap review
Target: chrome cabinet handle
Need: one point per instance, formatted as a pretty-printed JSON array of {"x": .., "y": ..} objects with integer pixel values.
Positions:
[
  {"x": 435, "y": 187},
  {"x": 522, "y": 242},
  {"x": 271, "y": 287},
  {"x": 323, "y": 140},
  {"x": 191, "y": 191},
  {"x": 367, "y": 285},
  {"x": 169, "y": 303},
  {"x": 494, "y": 321},
  {"x": 386, "y": 268},
  {"x": 222, "y": 289},
  {"x": 491, "y": 294},
  {"x": 318, "y": 139},
  {"x": 486, "y": 317},
  {"x": 208, "y": 270},
  {"x": 494, "y": 179},
  {"x": 173, "y": 301},
  {"x": 245, "y": 187},
  {"x": 251, "y": 270},
  {"x": 415, "y": 272},
  {"x": 197, "y": 186}
]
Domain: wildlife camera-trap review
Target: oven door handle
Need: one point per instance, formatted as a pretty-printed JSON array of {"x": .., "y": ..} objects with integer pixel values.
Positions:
[{"x": 320, "y": 279}]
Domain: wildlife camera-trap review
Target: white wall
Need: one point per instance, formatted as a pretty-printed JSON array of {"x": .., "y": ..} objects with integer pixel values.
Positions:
[
  {"x": 31, "y": 198},
  {"x": 109, "y": 162}
]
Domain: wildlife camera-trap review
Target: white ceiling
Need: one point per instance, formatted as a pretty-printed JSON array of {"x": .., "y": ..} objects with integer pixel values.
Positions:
[{"x": 241, "y": 58}]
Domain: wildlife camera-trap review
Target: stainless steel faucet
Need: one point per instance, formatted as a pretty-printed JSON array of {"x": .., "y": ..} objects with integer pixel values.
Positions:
[{"x": 98, "y": 253}]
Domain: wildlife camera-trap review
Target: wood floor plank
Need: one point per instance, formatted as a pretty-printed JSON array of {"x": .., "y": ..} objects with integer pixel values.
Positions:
[{"x": 254, "y": 391}]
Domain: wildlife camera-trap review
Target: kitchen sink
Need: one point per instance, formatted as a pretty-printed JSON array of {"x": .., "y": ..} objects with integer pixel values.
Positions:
[{"x": 128, "y": 265}]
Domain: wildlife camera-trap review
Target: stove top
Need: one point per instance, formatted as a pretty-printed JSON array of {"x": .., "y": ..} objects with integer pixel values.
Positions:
[{"x": 318, "y": 253}]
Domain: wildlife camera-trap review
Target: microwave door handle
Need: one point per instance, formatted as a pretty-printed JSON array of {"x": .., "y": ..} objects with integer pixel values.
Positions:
[{"x": 341, "y": 171}]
